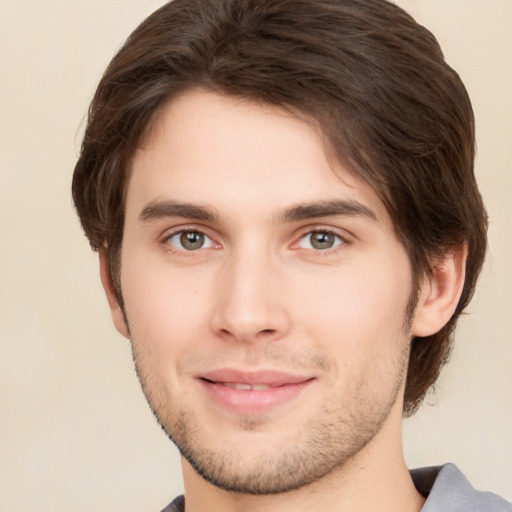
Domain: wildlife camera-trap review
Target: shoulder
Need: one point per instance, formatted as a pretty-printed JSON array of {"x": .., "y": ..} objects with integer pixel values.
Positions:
[
  {"x": 178, "y": 505},
  {"x": 448, "y": 490}
]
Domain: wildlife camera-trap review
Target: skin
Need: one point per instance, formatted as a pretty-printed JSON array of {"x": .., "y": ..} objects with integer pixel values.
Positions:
[{"x": 318, "y": 293}]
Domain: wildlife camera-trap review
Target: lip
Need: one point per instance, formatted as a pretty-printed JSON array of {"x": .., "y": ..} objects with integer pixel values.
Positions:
[{"x": 258, "y": 391}]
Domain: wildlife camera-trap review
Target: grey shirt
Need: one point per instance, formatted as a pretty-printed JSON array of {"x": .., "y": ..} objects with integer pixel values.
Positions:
[{"x": 446, "y": 490}]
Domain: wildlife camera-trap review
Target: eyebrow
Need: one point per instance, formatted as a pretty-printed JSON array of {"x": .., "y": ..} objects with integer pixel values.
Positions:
[
  {"x": 330, "y": 208},
  {"x": 156, "y": 210},
  {"x": 165, "y": 209}
]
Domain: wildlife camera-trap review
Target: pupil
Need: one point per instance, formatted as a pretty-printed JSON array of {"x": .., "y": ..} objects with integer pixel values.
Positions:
[
  {"x": 322, "y": 240},
  {"x": 192, "y": 240}
]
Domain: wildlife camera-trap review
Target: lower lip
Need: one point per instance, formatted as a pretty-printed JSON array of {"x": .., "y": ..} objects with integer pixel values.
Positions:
[{"x": 250, "y": 402}]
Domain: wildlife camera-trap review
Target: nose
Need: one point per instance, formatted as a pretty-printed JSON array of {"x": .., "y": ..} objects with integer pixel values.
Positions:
[{"x": 250, "y": 302}]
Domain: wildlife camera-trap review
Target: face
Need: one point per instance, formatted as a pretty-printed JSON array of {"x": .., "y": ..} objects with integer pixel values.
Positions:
[{"x": 265, "y": 293}]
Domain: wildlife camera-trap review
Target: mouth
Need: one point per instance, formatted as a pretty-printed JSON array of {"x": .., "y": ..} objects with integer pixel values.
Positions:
[
  {"x": 255, "y": 392},
  {"x": 245, "y": 387}
]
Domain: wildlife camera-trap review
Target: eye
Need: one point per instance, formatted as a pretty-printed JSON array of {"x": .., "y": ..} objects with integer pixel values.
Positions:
[
  {"x": 320, "y": 240},
  {"x": 190, "y": 240}
]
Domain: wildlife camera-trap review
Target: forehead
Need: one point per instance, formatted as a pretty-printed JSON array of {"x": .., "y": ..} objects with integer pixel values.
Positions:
[{"x": 236, "y": 154}]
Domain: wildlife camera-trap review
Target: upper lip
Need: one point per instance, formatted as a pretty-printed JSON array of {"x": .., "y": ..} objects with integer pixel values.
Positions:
[{"x": 271, "y": 378}]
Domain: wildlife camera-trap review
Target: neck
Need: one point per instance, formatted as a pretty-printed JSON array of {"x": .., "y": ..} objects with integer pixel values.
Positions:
[{"x": 375, "y": 479}]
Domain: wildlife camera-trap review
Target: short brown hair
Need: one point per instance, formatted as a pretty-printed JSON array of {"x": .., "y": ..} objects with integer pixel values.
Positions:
[{"x": 373, "y": 79}]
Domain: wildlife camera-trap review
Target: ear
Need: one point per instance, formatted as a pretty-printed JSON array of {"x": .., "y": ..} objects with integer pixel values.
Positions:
[
  {"x": 440, "y": 293},
  {"x": 115, "y": 308}
]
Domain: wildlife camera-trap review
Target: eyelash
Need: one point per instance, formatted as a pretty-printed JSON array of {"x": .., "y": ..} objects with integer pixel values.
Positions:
[
  {"x": 342, "y": 241},
  {"x": 166, "y": 241}
]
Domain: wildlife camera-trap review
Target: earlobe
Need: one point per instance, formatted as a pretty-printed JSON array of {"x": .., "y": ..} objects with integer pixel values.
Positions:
[
  {"x": 115, "y": 308},
  {"x": 440, "y": 293}
]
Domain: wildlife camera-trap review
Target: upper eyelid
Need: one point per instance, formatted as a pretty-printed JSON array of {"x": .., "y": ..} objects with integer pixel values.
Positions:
[
  {"x": 345, "y": 237},
  {"x": 164, "y": 241},
  {"x": 343, "y": 240},
  {"x": 329, "y": 231},
  {"x": 171, "y": 231},
  {"x": 343, "y": 233}
]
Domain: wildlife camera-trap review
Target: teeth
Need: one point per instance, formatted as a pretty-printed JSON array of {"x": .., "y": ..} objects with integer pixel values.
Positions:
[
  {"x": 240, "y": 387},
  {"x": 245, "y": 387}
]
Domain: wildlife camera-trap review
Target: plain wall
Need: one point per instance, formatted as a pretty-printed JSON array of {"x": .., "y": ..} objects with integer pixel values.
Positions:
[{"x": 75, "y": 431}]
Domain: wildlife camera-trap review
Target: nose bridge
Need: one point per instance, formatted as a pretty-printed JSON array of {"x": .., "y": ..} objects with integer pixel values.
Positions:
[{"x": 250, "y": 304}]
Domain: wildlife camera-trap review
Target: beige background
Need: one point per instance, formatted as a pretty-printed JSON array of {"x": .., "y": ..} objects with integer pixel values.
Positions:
[{"x": 75, "y": 432}]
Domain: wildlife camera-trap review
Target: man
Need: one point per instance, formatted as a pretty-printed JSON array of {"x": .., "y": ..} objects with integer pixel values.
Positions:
[{"x": 283, "y": 201}]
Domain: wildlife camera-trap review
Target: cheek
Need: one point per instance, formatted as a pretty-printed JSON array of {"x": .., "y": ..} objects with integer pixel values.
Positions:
[
  {"x": 167, "y": 311},
  {"x": 356, "y": 311}
]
